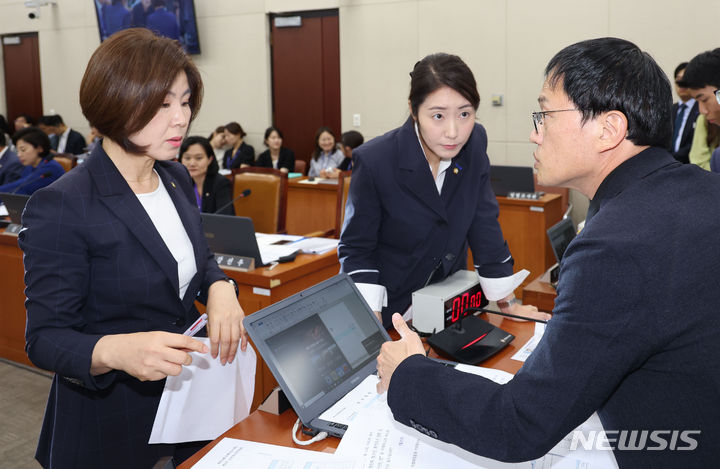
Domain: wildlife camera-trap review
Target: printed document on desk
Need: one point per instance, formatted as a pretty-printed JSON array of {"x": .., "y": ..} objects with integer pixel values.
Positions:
[
  {"x": 231, "y": 453},
  {"x": 281, "y": 243},
  {"x": 206, "y": 398},
  {"x": 529, "y": 347}
]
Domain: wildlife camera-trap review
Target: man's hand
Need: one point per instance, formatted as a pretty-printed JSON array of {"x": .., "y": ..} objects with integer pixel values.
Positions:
[
  {"x": 225, "y": 327},
  {"x": 392, "y": 353},
  {"x": 528, "y": 311}
]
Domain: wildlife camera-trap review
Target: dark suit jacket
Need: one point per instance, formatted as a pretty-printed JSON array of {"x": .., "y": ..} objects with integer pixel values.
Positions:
[
  {"x": 399, "y": 231},
  {"x": 634, "y": 334},
  {"x": 10, "y": 167},
  {"x": 682, "y": 155},
  {"x": 217, "y": 192},
  {"x": 96, "y": 265},
  {"x": 245, "y": 154},
  {"x": 75, "y": 143},
  {"x": 286, "y": 159},
  {"x": 345, "y": 164}
]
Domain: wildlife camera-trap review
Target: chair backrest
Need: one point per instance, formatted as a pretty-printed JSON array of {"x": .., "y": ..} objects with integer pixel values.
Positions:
[
  {"x": 67, "y": 160},
  {"x": 343, "y": 188},
  {"x": 300, "y": 166},
  {"x": 267, "y": 203}
]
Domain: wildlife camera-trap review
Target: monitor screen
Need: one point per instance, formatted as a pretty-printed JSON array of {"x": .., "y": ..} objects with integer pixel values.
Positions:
[
  {"x": 560, "y": 236},
  {"x": 170, "y": 18}
]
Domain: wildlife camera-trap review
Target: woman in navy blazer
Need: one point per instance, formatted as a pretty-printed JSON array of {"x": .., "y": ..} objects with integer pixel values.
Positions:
[
  {"x": 213, "y": 192},
  {"x": 276, "y": 156},
  {"x": 115, "y": 258},
  {"x": 39, "y": 169},
  {"x": 240, "y": 154},
  {"x": 421, "y": 193}
]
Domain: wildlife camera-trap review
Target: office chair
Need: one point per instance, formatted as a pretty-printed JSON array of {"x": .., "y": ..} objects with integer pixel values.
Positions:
[{"x": 267, "y": 203}]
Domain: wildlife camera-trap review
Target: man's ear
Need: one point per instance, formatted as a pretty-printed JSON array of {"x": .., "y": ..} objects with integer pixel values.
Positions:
[{"x": 614, "y": 127}]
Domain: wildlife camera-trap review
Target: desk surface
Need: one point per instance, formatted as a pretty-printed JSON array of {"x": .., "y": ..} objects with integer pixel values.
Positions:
[{"x": 276, "y": 429}]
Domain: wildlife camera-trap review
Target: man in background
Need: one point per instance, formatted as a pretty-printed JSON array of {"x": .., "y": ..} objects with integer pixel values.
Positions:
[
  {"x": 684, "y": 113},
  {"x": 10, "y": 166}
]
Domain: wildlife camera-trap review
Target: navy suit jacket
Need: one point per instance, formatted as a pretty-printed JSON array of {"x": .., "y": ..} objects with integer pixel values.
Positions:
[
  {"x": 398, "y": 231},
  {"x": 286, "y": 159},
  {"x": 96, "y": 265},
  {"x": 245, "y": 154},
  {"x": 75, "y": 143},
  {"x": 683, "y": 153},
  {"x": 634, "y": 334},
  {"x": 217, "y": 193},
  {"x": 10, "y": 167}
]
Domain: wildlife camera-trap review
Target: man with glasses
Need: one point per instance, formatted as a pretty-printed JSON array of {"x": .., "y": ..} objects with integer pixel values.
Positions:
[
  {"x": 634, "y": 333},
  {"x": 702, "y": 78}
]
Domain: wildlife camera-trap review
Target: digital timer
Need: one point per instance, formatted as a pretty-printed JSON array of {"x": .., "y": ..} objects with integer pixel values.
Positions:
[{"x": 438, "y": 305}]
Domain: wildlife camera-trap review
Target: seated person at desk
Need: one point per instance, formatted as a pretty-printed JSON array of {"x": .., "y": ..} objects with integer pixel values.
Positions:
[
  {"x": 276, "y": 156},
  {"x": 325, "y": 156},
  {"x": 240, "y": 154},
  {"x": 213, "y": 192},
  {"x": 421, "y": 193},
  {"x": 634, "y": 333},
  {"x": 34, "y": 153},
  {"x": 217, "y": 142},
  {"x": 350, "y": 140},
  {"x": 10, "y": 166}
]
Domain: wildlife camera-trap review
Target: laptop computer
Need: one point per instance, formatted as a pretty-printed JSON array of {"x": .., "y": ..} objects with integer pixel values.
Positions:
[
  {"x": 319, "y": 344},
  {"x": 14, "y": 204},
  {"x": 560, "y": 235},
  {"x": 506, "y": 181},
  {"x": 231, "y": 235}
]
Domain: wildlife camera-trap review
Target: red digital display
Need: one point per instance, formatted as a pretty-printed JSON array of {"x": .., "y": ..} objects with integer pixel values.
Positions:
[{"x": 455, "y": 306}]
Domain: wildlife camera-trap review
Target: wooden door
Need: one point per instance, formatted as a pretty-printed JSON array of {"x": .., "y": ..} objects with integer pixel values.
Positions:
[
  {"x": 306, "y": 77},
  {"x": 21, "y": 65}
]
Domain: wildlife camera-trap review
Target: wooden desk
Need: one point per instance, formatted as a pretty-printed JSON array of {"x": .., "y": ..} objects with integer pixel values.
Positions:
[
  {"x": 524, "y": 224},
  {"x": 258, "y": 288},
  {"x": 540, "y": 293},
  {"x": 275, "y": 429},
  {"x": 310, "y": 207}
]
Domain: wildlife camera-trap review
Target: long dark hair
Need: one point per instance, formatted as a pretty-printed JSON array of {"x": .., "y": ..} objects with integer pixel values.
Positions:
[
  {"x": 213, "y": 167},
  {"x": 438, "y": 70},
  {"x": 317, "y": 151},
  {"x": 35, "y": 137}
]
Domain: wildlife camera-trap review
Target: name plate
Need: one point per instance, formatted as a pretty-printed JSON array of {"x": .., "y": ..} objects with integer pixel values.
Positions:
[
  {"x": 12, "y": 229},
  {"x": 228, "y": 261}
]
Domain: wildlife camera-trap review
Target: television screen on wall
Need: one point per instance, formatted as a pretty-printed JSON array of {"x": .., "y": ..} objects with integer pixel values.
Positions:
[{"x": 170, "y": 18}]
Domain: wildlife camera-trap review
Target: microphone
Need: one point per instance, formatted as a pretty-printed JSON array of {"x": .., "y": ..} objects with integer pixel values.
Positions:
[
  {"x": 37, "y": 178},
  {"x": 243, "y": 194}
]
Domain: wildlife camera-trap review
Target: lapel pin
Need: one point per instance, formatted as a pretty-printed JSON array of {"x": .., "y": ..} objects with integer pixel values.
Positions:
[
  {"x": 456, "y": 170},
  {"x": 172, "y": 183}
]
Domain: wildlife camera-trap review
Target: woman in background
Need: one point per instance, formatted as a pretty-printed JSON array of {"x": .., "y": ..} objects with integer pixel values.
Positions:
[
  {"x": 326, "y": 156},
  {"x": 213, "y": 192},
  {"x": 240, "y": 154},
  {"x": 33, "y": 151},
  {"x": 217, "y": 142},
  {"x": 276, "y": 156},
  {"x": 115, "y": 258}
]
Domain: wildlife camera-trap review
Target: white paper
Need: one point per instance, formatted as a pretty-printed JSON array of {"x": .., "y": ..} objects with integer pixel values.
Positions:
[
  {"x": 499, "y": 376},
  {"x": 206, "y": 398},
  {"x": 498, "y": 288},
  {"x": 529, "y": 347},
  {"x": 3, "y": 210},
  {"x": 315, "y": 245},
  {"x": 360, "y": 400},
  {"x": 231, "y": 453}
]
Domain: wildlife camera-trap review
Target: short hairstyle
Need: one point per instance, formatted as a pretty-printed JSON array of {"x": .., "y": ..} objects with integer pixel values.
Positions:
[
  {"x": 28, "y": 118},
  {"x": 46, "y": 121},
  {"x": 682, "y": 66},
  {"x": 213, "y": 167},
  {"x": 35, "y": 137},
  {"x": 127, "y": 80},
  {"x": 235, "y": 129},
  {"x": 270, "y": 130},
  {"x": 317, "y": 150},
  {"x": 606, "y": 74},
  {"x": 352, "y": 139},
  {"x": 438, "y": 70},
  {"x": 703, "y": 70}
]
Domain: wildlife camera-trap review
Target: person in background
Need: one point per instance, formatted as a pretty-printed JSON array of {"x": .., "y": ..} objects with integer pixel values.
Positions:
[
  {"x": 47, "y": 125},
  {"x": 140, "y": 12},
  {"x": 213, "y": 192},
  {"x": 115, "y": 259},
  {"x": 684, "y": 114},
  {"x": 240, "y": 154},
  {"x": 10, "y": 166},
  {"x": 39, "y": 170},
  {"x": 705, "y": 140},
  {"x": 420, "y": 194},
  {"x": 349, "y": 141},
  {"x": 217, "y": 142},
  {"x": 276, "y": 156},
  {"x": 22, "y": 121},
  {"x": 68, "y": 140},
  {"x": 92, "y": 140},
  {"x": 326, "y": 156},
  {"x": 163, "y": 21}
]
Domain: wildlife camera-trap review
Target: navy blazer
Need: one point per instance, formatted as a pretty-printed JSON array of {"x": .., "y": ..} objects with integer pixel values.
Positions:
[
  {"x": 399, "y": 232},
  {"x": 96, "y": 265},
  {"x": 683, "y": 153},
  {"x": 10, "y": 167},
  {"x": 217, "y": 193},
  {"x": 634, "y": 335},
  {"x": 245, "y": 154},
  {"x": 286, "y": 159},
  {"x": 75, "y": 143}
]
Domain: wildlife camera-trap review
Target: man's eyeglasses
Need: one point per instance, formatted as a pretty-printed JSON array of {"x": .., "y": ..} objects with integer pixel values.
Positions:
[
  {"x": 717, "y": 96},
  {"x": 539, "y": 117}
]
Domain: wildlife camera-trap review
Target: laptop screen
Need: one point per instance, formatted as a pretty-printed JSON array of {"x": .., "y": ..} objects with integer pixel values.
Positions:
[
  {"x": 15, "y": 204},
  {"x": 560, "y": 235},
  {"x": 506, "y": 179},
  {"x": 319, "y": 343},
  {"x": 235, "y": 236}
]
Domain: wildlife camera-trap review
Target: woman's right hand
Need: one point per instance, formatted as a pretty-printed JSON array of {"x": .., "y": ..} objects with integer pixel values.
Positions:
[{"x": 148, "y": 356}]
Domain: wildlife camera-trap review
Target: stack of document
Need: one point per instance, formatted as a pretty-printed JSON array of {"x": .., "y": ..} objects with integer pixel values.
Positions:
[{"x": 278, "y": 245}]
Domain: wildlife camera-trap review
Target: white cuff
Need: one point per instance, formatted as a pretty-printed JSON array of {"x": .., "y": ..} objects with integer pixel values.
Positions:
[
  {"x": 374, "y": 295},
  {"x": 498, "y": 288}
]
